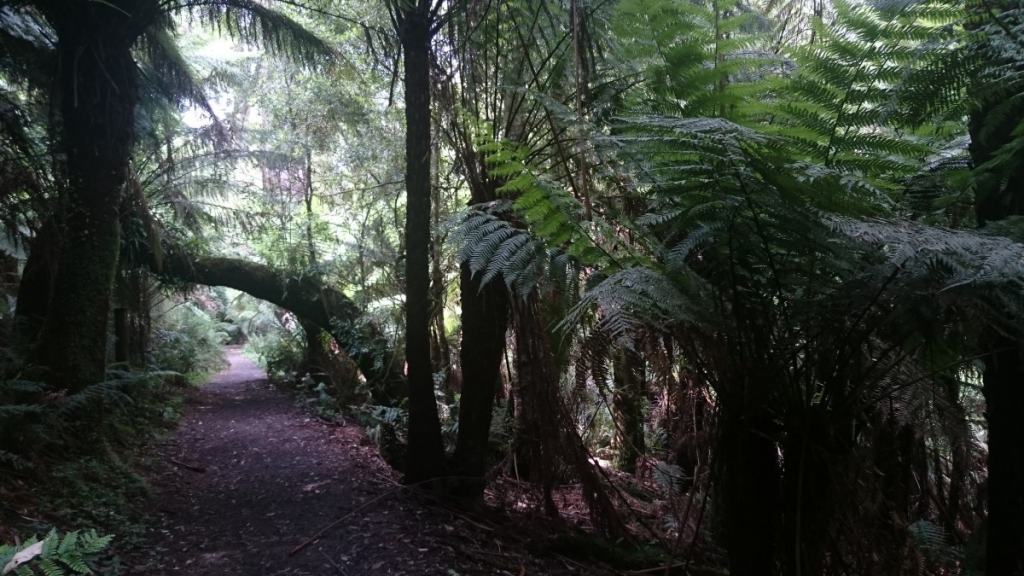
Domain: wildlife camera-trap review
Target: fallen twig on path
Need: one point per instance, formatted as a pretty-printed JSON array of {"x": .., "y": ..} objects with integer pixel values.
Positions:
[
  {"x": 320, "y": 533},
  {"x": 197, "y": 469}
]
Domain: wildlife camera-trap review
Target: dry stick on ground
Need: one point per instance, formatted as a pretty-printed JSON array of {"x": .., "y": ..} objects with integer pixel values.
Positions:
[
  {"x": 320, "y": 533},
  {"x": 198, "y": 469}
]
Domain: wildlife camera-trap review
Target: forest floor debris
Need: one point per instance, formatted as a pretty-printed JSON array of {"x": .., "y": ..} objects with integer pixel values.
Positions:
[{"x": 253, "y": 505}]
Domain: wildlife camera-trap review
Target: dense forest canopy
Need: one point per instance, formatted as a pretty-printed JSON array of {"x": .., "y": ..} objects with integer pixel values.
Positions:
[{"x": 742, "y": 277}]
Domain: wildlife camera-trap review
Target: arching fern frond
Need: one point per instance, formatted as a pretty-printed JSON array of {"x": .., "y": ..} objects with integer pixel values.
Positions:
[{"x": 254, "y": 23}]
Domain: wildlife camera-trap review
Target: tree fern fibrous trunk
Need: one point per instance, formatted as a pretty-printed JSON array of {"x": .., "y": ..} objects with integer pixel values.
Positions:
[
  {"x": 547, "y": 443},
  {"x": 999, "y": 195},
  {"x": 97, "y": 91},
  {"x": 748, "y": 486},
  {"x": 425, "y": 457},
  {"x": 627, "y": 408},
  {"x": 484, "y": 323}
]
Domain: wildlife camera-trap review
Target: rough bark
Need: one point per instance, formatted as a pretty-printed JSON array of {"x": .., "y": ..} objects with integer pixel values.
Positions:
[
  {"x": 323, "y": 306},
  {"x": 97, "y": 87},
  {"x": 425, "y": 458},
  {"x": 748, "y": 487},
  {"x": 999, "y": 196},
  {"x": 627, "y": 409},
  {"x": 484, "y": 323},
  {"x": 546, "y": 439}
]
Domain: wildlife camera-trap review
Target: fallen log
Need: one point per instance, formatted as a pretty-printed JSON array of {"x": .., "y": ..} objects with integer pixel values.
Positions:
[{"x": 309, "y": 299}]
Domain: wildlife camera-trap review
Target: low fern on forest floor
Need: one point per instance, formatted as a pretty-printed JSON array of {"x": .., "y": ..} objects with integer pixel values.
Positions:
[{"x": 55, "y": 555}]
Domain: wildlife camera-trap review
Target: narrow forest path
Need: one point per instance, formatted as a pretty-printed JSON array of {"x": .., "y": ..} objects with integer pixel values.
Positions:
[{"x": 248, "y": 476}]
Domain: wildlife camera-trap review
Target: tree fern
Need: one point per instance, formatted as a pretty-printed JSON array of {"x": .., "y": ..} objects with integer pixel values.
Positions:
[
  {"x": 55, "y": 555},
  {"x": 551, "y": 235},
  {"x": 844, "y": 106},
  {"x": 998, "y": 92},
  {"x": 697, "y": 58}
]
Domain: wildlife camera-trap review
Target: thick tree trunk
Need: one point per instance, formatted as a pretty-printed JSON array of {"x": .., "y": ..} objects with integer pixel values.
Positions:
[
  {"x": 425, "y": 459},
  {"x": 1004, "y": 407},
  {"x": 998, "y": 196},
  {"x": 131, "y": 318},
  {"x": 813, "y": 453},
  {"x": 98, "y": 94},
  {"x": 749, "y": 489},
  {"x": 484, "y": 323},
  {"x": 627, "y": 408}
]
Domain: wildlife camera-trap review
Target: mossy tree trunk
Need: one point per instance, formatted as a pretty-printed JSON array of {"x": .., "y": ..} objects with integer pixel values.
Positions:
[
  {"x": 327, "y": 366},
  {"x": 97, "y": 93}
]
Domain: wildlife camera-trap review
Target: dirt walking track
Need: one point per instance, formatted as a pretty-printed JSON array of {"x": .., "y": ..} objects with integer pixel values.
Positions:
[{"x": 248, "y": 476}]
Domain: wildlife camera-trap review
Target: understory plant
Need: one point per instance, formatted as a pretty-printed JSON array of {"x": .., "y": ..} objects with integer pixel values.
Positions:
[{"x": 55, "y": 555}]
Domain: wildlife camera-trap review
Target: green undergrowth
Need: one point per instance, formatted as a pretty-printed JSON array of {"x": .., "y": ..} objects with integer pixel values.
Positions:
[
  {"x": 75, "y": 552},
  {"x": 71, "y": 461}
]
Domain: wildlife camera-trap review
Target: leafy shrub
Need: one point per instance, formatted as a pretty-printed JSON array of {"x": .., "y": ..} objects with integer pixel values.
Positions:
[
  {"x": 74, "y": 553},
  {"x": 281, "y": 352},
  {"x": 188, "y": 340}
]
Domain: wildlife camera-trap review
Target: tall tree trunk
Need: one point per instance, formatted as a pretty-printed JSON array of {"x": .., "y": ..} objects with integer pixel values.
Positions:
[
  {"x": 999, "y": 196},
  {"x": 484, "y": 323},
  {"x": 582, "y": 65},
  {"x": 814, "y": 454},
  {"x": 425, "y": 458},
  {"x": 98, "y": 94}
]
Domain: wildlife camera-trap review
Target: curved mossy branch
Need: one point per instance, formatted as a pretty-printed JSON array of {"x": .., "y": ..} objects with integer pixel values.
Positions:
[{"x": 309, "y": 299}]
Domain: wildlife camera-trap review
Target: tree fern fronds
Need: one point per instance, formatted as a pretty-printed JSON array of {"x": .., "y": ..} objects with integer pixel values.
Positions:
[
  {"x": 165, "y": 67},
  {"x": 552, "y": 214},
  {"x": 933, "y": 541},
  {"x": 254, "y": 23},
  {"x": 107, "y": 395},
  {"x": 697, "y": 58},
  {"x": 845, "y": 106},
  {"x": 963, "y": 258},
  {"x": 637, "y": 297}
]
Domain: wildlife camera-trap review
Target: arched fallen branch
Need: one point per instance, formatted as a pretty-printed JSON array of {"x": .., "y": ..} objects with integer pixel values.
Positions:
[{"x": 307, "y": 298}]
